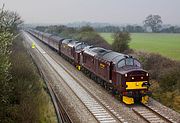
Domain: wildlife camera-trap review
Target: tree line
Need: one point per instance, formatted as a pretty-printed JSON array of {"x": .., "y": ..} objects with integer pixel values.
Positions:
[{"x": 152, "y": 23}]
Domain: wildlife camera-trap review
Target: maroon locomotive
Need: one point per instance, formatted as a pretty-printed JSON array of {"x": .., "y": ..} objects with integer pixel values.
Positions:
[{"x": 118, "y": 72}]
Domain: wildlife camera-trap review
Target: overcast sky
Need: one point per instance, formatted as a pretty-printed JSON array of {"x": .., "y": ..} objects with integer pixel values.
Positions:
[{"x": 110, "y": 11}]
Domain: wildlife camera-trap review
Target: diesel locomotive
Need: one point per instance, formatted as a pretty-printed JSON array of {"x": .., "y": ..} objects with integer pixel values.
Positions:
[{"x": 120, "y": 73}]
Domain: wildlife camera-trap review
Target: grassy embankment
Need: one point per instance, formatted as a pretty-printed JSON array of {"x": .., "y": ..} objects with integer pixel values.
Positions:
[
  {"x": 167, "y": 45},
  {"x": 30, "y": 100}
]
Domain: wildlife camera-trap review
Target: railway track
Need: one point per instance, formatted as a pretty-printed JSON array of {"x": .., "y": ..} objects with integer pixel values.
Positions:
[
  {"x": 99, "y": 109},
  {"x": 151, "y": 115},
  {"x": 64, "y": 115}
]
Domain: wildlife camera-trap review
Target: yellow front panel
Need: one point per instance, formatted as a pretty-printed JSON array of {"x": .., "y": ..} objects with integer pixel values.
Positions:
[{"x": 135, "y": 85}]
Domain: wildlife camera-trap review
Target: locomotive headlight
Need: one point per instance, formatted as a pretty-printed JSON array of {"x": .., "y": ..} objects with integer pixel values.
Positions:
[
  {"x": 132, "y": 77},
  {"x": 125, "y": 75},
  {"x": 147, "y": 74}
]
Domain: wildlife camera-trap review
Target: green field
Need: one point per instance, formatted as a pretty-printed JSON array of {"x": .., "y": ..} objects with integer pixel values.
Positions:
[{"x": 165, "y": 44}]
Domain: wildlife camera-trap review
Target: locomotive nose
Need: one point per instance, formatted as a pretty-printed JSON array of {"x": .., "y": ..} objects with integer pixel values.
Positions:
[
  {"x": 137, "y": 79},
  {"x": 137, "y": 84}
]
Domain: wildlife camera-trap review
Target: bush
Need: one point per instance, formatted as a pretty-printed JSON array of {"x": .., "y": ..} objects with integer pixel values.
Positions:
[
  {"x": 170, "y": 78},
  {"x": 176, "y": 102},
  {"x": 121, "y": 40}
]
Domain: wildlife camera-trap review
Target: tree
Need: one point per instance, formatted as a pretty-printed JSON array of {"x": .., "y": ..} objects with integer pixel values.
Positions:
[
  {"x": 121, "y": 40},
  {"x": 9, "y": 21},
  {"x": 154, "y": 22}
]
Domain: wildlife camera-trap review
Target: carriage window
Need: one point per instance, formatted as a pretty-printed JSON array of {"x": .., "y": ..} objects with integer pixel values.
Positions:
[
  {"x": 121, "y": 64},
  {"x": 129, "y": 61},
  {"x": 136, "y": 63}
]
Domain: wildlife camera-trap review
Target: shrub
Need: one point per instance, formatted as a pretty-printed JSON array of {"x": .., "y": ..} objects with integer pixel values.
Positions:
[
  {"x": 170, "y": 78},
  {"x": 121, "y": 40},
  {"x": 176, "y": 102}
]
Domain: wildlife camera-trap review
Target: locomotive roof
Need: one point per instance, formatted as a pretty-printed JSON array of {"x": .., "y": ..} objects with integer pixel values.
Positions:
[
  {"x": 73, "y": 43},
  {"x": 105, "y": 54},
  {"x": 114, "y": 56},
  {"x": 66, "y": 41},
  {"x": 80, "y": 46},
  {"x": 79, "y": 43},
  {"x": 56, "y": 38},
  {"x": 95, "y": 51}
]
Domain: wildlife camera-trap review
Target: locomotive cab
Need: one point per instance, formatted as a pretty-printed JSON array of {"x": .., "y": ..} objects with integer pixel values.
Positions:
[{"x": 134, "y": 81}]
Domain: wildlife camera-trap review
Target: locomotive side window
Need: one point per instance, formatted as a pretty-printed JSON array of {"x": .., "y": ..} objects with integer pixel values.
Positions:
[
  {"x": 121, "y": 64},
  {"x": 136, "y": 63}
]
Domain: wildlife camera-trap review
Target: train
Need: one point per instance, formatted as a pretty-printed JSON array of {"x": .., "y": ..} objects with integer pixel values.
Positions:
[{"x": 119, "y": 73}]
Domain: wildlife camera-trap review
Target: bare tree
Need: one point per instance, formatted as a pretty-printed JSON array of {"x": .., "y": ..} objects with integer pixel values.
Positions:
[{"x": 9, "y": 21}]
